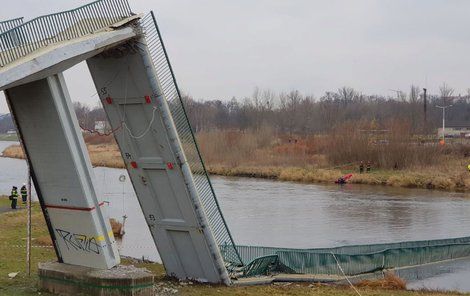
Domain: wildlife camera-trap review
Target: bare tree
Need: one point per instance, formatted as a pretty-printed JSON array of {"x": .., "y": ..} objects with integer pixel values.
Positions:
[
  {"x": 446, "y": 91},
  {"x": 414, "y": 93}
]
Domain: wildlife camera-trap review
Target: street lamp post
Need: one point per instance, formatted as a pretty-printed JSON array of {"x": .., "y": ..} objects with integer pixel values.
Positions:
[{"x": 443, "y": 120}]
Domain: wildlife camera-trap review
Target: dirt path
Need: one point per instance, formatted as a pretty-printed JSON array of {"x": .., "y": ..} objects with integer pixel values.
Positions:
[{"x": 5, "y": 209}]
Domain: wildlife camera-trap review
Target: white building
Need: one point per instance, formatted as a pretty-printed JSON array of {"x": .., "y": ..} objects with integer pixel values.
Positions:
[
  {"x": 455, "y": 131},
  {"x": 102, "y": 126}
]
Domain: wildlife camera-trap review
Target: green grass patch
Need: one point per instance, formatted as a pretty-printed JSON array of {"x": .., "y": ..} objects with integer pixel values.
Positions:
[
  {"x": 4, "y": 201},
  {"x": 13, "y": 250},
  {"x": 6, "y": 137}
]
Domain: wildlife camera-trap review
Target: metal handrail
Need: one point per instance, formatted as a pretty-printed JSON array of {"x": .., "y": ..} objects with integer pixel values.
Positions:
[
  {"x": 10, "y": 24},
  {"x": 42, "y": 31},
  {"x": 203, "y": 185}
]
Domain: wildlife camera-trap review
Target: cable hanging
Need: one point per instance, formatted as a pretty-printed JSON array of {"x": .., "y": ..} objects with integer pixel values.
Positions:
[
  {"x": 123, "y": 118},
  {"x": 145, "y": 131}
]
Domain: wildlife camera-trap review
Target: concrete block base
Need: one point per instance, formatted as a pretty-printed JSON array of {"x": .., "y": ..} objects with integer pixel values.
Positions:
[{"x": 65, "y": 279}]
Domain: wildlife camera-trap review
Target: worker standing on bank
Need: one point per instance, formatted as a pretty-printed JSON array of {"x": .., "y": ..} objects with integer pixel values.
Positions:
[
  {"x": 14, "y": 197},
  {"x": 24, "y": 193}
]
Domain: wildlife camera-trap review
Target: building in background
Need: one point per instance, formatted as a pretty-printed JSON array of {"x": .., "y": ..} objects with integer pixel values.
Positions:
[
  {"x": 102, "y": 126},
  {"x": 455, "y": 131}
]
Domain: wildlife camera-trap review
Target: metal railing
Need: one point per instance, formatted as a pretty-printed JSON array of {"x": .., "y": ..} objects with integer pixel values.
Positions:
[
  {"x": 10, "y": 24},
  {"x": 169, "y": 87},
  {"x": 28, "y": 37}
]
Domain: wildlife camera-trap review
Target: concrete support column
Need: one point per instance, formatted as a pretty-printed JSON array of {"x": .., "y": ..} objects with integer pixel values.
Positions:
[
  {"x": 63, "y": 176},
  {"x": 147, "y": 138}
]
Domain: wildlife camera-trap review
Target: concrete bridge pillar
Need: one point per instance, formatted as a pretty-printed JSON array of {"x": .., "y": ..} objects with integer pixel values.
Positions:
[
  {"x": 145, "y": 132},
  {"x": 62, "y": 173}
]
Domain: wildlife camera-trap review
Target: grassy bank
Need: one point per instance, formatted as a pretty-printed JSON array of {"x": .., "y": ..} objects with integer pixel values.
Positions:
[
  {"x": 424, "y": 178},
  {"x": 12, "y": 241},
  {"x": 4, "y": 201},
  {"x": 449, "y": 175},
  {"x": 8, "y": 137}
]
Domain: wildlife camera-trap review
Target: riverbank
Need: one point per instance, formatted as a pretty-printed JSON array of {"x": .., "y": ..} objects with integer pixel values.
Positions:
[
  {"x": 424, "y": 178},
  {"x": 13, "y": 234},
  {"x": 450, "y": 175},
  {"x": 8, "y": 137},
  {"x": 4, "y": 204}
]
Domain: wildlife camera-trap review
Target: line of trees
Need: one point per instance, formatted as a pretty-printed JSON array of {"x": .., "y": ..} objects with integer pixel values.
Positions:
[
  {"x": 296, "y": 113},
  {"x": 6, "y": 123}
]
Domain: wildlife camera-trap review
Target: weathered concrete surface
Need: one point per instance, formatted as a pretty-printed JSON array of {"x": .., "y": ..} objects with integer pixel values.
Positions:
[
  {"x": 65, "y": 279},
  {"x": 61, "y": 170},
  {"x": 126, "y": 83}
]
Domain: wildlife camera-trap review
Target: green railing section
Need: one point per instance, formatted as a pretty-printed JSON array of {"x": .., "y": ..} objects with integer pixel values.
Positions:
[
  {"x": 356, "y": 259},
  {"x": 10, "y": 24},
  {"x": 261, "y": 266},
  {"x": 28, "y": 37},
  {"x": 202, "y": 182}
]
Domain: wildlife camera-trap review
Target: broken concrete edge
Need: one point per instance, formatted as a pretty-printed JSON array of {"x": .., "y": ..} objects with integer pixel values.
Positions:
[
  {"x": 122, "y": 277},
  {"x": 307, "y": 278}
]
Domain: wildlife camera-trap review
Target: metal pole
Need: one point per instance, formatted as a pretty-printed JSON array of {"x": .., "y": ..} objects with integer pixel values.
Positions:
[
  {"x": 444, "y": 124},
  {"x": 444, "y": 120},
  {"x": 425, "y": 99},
  {"x": 28, "y": 242}
]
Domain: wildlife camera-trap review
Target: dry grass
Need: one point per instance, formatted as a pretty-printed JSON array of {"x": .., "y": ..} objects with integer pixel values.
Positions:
[
  {"x": 429, "y": 178},
  {"x": 107, "y": 155},
  {"x": 116, "y": 227},
  {"x": 13, "y": 151},
  {"x": 389, "y": 282},
  {"x": 261, "y": 148}
]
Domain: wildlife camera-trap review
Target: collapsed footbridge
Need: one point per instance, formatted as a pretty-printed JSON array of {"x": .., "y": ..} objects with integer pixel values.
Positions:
[{"x": 136, "y": 85}]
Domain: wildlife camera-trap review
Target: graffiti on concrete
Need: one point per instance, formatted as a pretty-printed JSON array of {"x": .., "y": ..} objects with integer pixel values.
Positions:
[{"x": 79, "y": 242}]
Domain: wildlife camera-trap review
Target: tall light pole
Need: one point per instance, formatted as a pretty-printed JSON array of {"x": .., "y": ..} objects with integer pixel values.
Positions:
[
  {"x": 425, "y": 105},
  {"x": 443, "y": 120}
]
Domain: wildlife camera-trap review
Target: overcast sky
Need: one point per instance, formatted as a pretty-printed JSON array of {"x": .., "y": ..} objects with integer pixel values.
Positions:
[{"x": 225, "y": 48}]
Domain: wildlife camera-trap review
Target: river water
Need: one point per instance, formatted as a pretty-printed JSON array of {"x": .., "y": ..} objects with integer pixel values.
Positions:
[{"x": 284, "y": 214}]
